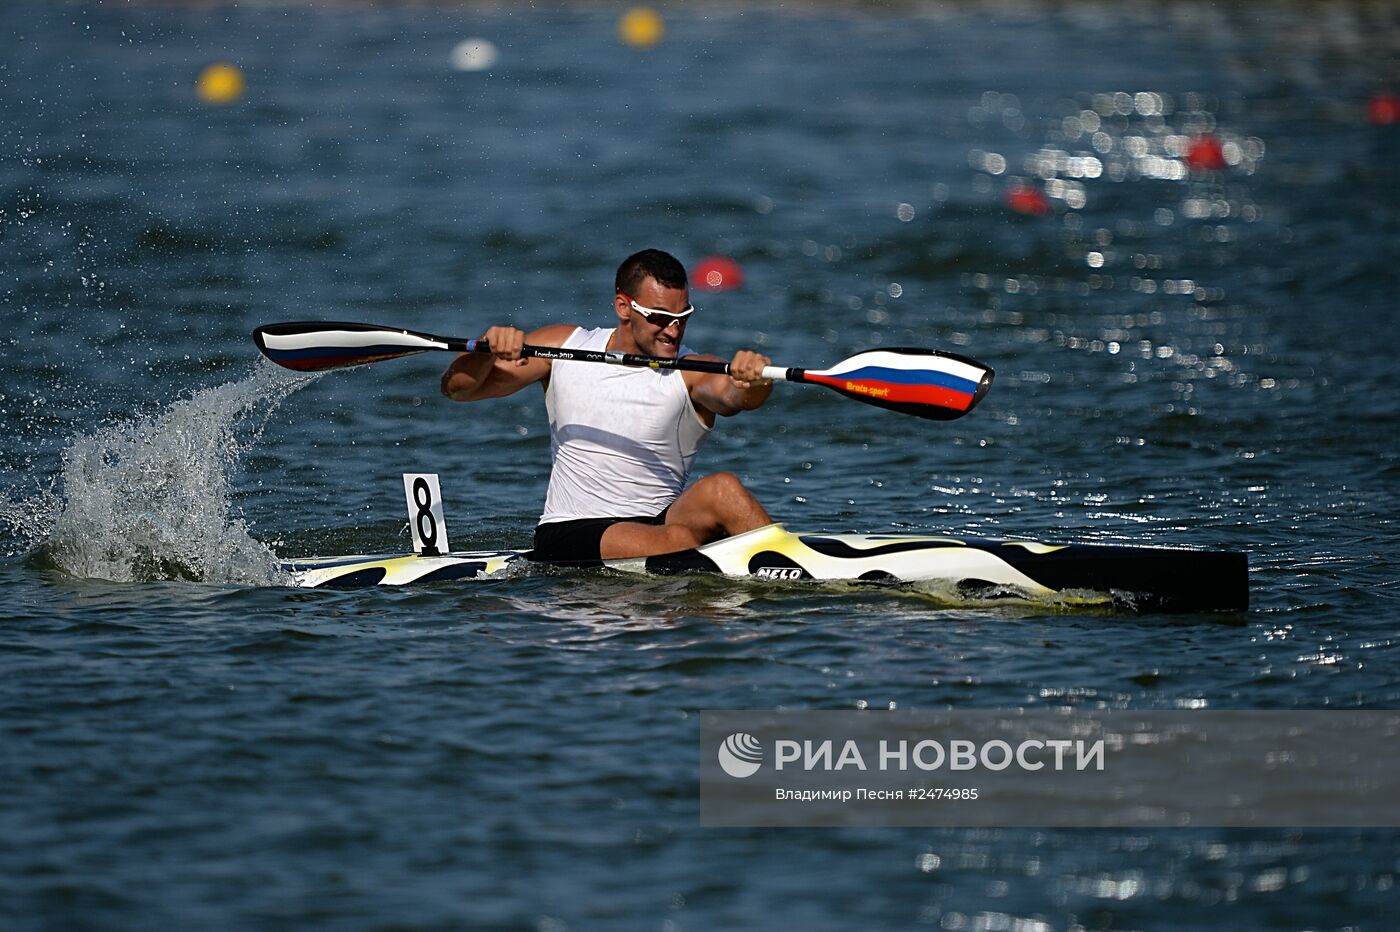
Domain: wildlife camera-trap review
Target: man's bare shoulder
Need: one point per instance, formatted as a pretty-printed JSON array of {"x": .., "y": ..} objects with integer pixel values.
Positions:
[{"x": 551, "y": 334}]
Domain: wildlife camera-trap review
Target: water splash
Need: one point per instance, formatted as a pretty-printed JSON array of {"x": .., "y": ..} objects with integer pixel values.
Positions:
[{"x": 150, "y": 498}]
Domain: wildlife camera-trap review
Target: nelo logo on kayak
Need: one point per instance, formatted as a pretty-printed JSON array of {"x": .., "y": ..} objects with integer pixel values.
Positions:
[{"x": 779, "y": 572}]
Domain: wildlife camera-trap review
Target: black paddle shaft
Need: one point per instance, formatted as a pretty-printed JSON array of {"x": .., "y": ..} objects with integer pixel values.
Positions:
[{"x": 688, "y": 364}]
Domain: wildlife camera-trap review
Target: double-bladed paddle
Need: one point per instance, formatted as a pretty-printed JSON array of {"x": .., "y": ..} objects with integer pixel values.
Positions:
[{"x": 921, "y": 382}]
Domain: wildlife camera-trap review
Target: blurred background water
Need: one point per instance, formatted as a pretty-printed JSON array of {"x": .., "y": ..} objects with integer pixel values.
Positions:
[{"x": 1171, "y": 227}]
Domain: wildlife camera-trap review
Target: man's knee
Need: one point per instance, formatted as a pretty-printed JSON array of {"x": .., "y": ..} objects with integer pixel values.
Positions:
[{"x": 724, "y": 486}]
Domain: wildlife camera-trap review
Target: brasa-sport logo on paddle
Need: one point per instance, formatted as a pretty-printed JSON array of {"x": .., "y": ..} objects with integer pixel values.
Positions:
[
  {"x": 740, "y": 755},
  {"x": 867, "y": 389}
]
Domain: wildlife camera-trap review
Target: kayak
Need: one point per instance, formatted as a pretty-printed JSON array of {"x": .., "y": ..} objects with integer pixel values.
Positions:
[{"x": 1163, "y": 579}]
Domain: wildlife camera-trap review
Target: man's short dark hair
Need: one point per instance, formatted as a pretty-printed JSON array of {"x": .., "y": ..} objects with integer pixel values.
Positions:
[{"x": 649, "y": 263}]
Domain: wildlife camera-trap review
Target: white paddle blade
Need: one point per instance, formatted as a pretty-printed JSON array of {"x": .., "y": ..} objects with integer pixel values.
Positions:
[{"x": 313, "y": 347}]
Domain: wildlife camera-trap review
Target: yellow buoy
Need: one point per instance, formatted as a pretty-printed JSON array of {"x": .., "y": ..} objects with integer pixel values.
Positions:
[
  {"x": 641, "y": 28},
  {"x": 221, "y": 83}
]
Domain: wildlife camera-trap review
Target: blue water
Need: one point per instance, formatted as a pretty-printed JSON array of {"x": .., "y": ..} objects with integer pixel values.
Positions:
[{"x": 1184, "y": 357}]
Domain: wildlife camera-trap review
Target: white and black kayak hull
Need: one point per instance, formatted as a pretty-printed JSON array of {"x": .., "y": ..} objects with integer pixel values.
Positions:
[{"x": 1142, "y": 578}]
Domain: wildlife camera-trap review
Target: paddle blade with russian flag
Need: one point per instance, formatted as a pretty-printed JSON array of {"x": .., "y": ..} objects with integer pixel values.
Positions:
[
  {"x": 921, "y": 382},
  {"x": 315, "y": 346}
]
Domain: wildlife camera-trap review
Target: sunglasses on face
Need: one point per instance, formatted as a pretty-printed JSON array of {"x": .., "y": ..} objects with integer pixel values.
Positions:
[{"x": 658, "y": 318}]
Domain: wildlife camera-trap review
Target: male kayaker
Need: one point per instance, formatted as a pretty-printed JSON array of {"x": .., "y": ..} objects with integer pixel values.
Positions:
[{"x": 623, "y": 439}]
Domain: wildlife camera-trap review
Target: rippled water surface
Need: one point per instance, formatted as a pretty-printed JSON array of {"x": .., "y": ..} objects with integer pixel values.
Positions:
[{"x": 1193, "y": 343}]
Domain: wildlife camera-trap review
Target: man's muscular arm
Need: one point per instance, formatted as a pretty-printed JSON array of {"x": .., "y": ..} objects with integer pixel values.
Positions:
[
  {"x": 503, "y": 371},
  {"x": 743, "y": 389}
]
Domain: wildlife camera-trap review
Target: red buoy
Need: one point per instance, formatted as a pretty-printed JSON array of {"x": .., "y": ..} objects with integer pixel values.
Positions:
[
  {"x": 1383, "y": 109},
  {"x": 1028, "y": 200},
  {"x": 717, "y": 273},
  {"x": 1206, "y": 154}
]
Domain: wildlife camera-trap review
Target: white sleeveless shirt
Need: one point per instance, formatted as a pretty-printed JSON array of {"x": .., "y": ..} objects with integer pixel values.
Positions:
[{"x": 622, "y": 439}]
